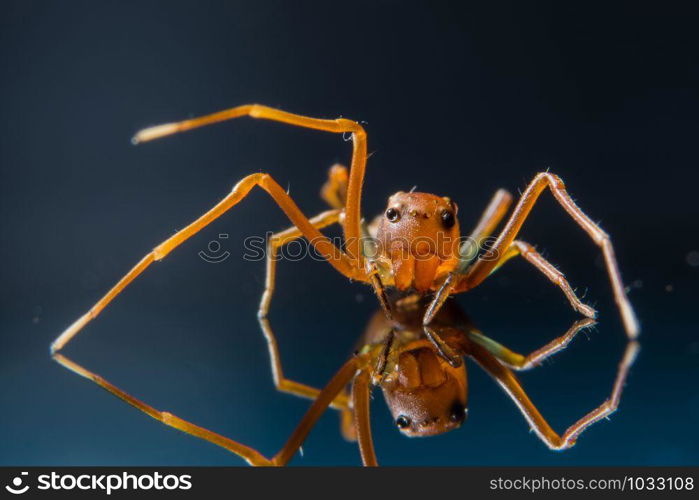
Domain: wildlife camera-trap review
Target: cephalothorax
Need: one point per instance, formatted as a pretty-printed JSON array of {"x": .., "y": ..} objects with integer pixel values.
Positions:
[{"x": 414, "y": 257}]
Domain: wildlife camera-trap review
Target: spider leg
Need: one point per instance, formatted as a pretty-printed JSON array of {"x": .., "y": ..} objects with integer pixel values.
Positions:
[
  {"x": 512, "y": 387},
  {"x": 443, "y": 349},
  {"x": 437, "y": 302},
  {"x": 321, "y": 243},
  {"x": 468, "y": 251},
  {"x": 520, "y": 362},
  {"x": 334, "y": 191},
  {"x": 252, "y": 456},
  {"x": 484, "y": 265},
  {"x": 351, "y": 225},
  {"x": 529, "y": 254},
  {"x": 277, "y": 241},
  {"x": 360, "y": 400},
  {"x": 491, "y": 217}
]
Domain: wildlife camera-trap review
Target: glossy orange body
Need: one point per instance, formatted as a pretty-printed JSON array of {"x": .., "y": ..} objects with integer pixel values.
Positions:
[
  {"x": 424, "y": 393},
  {"x": 418, "y": 240}
]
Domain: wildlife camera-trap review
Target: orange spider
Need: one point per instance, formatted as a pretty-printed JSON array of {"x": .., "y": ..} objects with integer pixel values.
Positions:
[{"x": 414, "y": 258}]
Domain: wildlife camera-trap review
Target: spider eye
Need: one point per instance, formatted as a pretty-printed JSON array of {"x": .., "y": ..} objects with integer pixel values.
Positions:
[
  {"x": 448, "y": 219},
  {"x": 392, "y": 214},
  {"x": 402, "y": 422},
  {"x": 458, "y": 412}
]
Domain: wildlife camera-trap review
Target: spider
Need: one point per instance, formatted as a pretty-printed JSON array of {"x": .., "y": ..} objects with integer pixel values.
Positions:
[{"x": 414, "y": 259}]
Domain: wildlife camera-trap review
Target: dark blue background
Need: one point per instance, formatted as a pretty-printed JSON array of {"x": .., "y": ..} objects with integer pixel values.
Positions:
[{"x": 458, "y": 99}]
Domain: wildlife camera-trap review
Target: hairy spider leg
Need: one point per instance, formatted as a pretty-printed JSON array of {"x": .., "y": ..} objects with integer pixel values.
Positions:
[
  {"x": 483, "y": 267},
  {"x": 507, "y": 380},
  {"x": 351, "y": 225},
  {"x": 520, "y": 362}
]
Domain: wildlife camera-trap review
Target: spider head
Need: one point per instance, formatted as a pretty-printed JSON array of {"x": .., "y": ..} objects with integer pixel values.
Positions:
[
  {"x": 426, "y": 395},
  {"x": 419, "y": 236}
]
